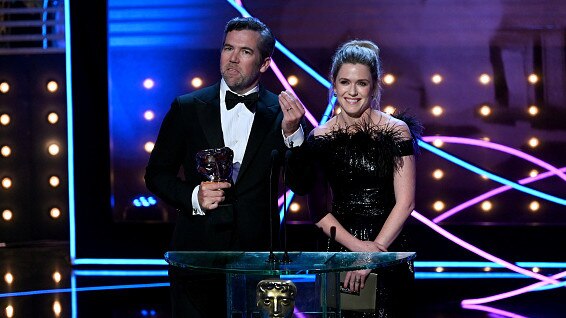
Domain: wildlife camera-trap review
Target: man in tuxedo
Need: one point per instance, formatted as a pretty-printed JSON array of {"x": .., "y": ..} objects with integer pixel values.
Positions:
[{"x": 238, "y": 113}]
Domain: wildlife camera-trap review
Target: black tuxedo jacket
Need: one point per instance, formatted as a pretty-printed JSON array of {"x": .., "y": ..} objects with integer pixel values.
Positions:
[{"x": 193, "y": 124}]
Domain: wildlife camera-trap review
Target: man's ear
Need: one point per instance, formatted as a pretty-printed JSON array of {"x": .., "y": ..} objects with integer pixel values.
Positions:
[{"x": 265, "y": 65}]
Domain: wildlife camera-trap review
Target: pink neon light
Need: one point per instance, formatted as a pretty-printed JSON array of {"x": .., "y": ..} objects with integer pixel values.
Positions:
[
  {"x": 491, "y": 193},
  {"x": 510, "y": 293},
  {"x": 493, "y": 310},
  {"x": 282, "y": 198},
  {"x": 298, "y": 314},
  {"x": 287, "y": 86},
  {"x": 453, "y": 237},
  {"x": 480, "y": 252},
  {"x": 499, "y": 147}
]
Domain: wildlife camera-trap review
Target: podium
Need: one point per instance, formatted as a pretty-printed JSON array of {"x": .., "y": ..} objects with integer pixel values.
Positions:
[{"x": 311, "y": 272}]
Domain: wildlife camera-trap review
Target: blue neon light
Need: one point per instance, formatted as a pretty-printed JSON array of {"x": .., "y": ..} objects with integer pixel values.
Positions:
[
  {"x": 70, "y": 141},
  {"x": 122, "y": 273},
  {"x": 81, "y": 289},
  {"x": 491, "y": 176}
]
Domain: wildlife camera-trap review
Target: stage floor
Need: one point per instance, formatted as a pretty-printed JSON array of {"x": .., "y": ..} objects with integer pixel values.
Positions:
[{"x": 37, "y": 281}]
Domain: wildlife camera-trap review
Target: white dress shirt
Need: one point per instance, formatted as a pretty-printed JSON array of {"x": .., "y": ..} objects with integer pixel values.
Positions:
[{"x": 236, "y": 127}]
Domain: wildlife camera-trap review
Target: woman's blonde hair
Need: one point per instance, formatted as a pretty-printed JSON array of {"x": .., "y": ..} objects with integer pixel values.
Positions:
[{"x": 359, "y": 52}]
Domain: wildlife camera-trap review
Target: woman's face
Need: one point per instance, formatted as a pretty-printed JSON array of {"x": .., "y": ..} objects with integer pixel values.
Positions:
[{"x": 354, "y": 88}]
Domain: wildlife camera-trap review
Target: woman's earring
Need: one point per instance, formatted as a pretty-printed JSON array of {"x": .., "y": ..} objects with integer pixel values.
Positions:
[{"x": 334, "y": 94}]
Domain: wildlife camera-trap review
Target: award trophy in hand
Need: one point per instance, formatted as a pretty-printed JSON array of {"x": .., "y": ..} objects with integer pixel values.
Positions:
[{"x": 215, "y": 164}]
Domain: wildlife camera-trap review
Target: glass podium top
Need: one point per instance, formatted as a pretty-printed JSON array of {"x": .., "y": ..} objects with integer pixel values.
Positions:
[{"x": 301, "y": 262}]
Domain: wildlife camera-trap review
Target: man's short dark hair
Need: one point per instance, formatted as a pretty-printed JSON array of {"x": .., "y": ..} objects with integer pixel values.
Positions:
[{"x": 267, "y": 41}]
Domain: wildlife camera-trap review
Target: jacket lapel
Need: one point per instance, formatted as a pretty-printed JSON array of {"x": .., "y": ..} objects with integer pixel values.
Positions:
[
  {"x": 208, "y": 111},
  {"x": 266, "y": 113}
]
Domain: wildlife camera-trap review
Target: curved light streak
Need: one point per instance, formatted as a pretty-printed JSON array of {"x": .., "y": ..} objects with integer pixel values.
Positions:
[
  {"x": 512, "y": 293},
  {"x": 286, "y": 51},
  {"x": 480, "y": 252},
  {"x": 489, "y": 194},
  {"x": 81, "y": 289},
  {"x": 288, "y": 87},
  {"x": 493, "y": 311},
  {"x": 443, "y": 154},
  {"x": 498, "y": 147},
  {"x": 490, "y": 175}
]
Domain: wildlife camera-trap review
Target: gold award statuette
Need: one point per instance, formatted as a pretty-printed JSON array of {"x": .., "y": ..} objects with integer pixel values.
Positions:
[{"x": 276, "y": 298}]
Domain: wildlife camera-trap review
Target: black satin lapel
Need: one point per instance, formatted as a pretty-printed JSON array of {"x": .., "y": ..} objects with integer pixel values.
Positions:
[
  {"x": 263, "y": 122},
  {"x": 209, "y": 118}
]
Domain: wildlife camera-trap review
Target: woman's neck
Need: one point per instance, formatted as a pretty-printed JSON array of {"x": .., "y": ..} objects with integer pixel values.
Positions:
[{"x": 345, "y": 121}]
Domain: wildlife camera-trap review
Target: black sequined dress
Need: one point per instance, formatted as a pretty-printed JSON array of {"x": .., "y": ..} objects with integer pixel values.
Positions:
[{"x": 359, "y": 164}]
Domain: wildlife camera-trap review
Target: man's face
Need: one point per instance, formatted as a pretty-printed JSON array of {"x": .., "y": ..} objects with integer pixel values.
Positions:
[{"x": 240, "y": 61}]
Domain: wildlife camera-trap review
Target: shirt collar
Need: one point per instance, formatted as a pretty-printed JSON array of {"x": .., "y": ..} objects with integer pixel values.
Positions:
[{"x": 224, "y": 87}]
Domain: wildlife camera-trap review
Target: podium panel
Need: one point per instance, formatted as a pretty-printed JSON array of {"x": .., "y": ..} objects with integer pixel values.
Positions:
[{"x": 311, "y": 272}]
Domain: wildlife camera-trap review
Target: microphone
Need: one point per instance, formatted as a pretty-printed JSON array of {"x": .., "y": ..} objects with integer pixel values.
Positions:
[
  {"x": 286, "y": 258},
  {"x": 274, "y": 158}
]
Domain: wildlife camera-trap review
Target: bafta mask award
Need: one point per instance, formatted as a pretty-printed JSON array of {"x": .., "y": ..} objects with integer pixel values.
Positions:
[
  {"x": 276, "y": 298},
  {"x": 215, "y": 164}
]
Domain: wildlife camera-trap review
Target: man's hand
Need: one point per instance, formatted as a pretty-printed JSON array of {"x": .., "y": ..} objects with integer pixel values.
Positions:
[
  {"x": 293, "y": 112},
  {"x": 211, "y": 194}
]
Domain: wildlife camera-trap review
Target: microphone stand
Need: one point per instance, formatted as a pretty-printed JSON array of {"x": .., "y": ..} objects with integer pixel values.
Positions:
[
  {"x": 272, "y": 258},
  {"x": 286, "y": 258}
]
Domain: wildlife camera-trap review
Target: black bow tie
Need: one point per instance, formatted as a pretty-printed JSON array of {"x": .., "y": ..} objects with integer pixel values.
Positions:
[{"x": 249, "y": 100}]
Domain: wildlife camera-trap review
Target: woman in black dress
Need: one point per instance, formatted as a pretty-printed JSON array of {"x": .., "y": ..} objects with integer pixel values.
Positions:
[{"x": 363, "y": 159}]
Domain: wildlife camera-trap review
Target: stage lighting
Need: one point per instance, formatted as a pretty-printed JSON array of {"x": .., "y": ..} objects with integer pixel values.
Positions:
[
  {"x": 484, "y": 79},
  {"x": 294, "y": 207},
  {"x": 52, "y": 118},
  {"x": 438, "y": 174},
  {"x": 536, "y": 270},
  {"x": 533, "y": 78},
  {"x": 534, "y": 206},
  {"x": 149, "y": 115},
  {"x": 7, "y": 215},
  {"x": 437, "y": 110},
  {"x": 533, "y": 173},
  {"x": 438, "y": 143},
  {"x": 534, "y": 142},
  {"x": 56, "y": 277},
  {"x": 148, "y": 146},
  {"x": 439, "y": 269},
  {"x": 55, "y": 213},
  {"x": 53, "y": 149},
  {"x": 293, "y": 80},
  {"x": 9, "y": 278},
  {"x": 57, "y": 308},
  {"x": 5, "y": 119},
  {"x": 54, "y": 181},
  {"x": 487, "y": 269},
  {"x": 485, "y": 138},
  {"x": 9, "y": 311},
  {"x": 388, "y": 79},
  {"x": 6, "y": 151},
  {"x": 486, "y": 206},
  {"x": 197, "y": 82},
  {"x": 6, "y": 182},
  {"x": 484, "y": 110},
  {"x": 4, "y": 87},
  {"x": 436, "y": 78},
  {"x": 438, "y": 206},
  {"x": 52, "y": 86},
  {"x": 390, "y": 109},
  {"x": 533, "y": 110},
  {"x": 148, "y": 83}
]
